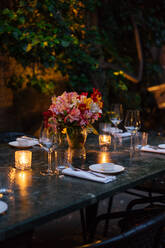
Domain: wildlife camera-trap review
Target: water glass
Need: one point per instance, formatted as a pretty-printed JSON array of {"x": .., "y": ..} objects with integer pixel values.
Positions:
[
  {"x": 60, "y": 160},
  {"x": 141, "y": 139}
]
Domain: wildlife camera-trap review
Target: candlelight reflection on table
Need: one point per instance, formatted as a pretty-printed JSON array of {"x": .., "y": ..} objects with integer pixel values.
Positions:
[
  {"x": 104, "y": 141},
  {"x": 104, "y": 157},
  {"x": 23, "y": 159},
  {"x": 24, "y": 180}
]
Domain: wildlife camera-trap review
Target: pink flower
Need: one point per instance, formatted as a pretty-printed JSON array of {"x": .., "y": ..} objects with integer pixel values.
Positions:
[
  {"x": 83, "y": 123},
  {"x": 74, "y": 115}
]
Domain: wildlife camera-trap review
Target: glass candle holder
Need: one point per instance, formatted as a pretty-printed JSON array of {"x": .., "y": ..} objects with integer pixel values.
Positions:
[
  {"x": 23, "y": 160},
  {"x": 104, "y": 141}
]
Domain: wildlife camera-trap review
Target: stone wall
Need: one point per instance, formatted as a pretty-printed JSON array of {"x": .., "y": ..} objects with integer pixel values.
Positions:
[
  {"x": 6, "y": 97},
  {"x": 21, "y": 110}
]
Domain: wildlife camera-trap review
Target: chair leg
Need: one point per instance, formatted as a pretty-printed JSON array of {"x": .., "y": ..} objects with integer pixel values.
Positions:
[{"x": 107, "y": 220}]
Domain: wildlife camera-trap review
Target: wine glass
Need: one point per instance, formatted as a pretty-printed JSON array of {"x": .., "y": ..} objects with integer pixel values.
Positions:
[
  {"x": 132, "y": 122},
  {"x": 48, "y": 142},
  {"x": 116, "y": 116},
  {"x": 7, "y": 182}
]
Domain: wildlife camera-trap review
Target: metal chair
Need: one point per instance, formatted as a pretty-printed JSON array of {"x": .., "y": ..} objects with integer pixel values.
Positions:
[
  {"x": 146, "y": 195},
  {"x": 145, "y": 234},
  {"x": 9, "y": 136},
  {"x": 155, "y": 190}
]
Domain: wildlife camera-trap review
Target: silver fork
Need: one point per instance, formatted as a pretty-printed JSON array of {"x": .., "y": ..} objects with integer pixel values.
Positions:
[
  {"x": 90, "y": 172},
  {"x": 154, "y": 147}
]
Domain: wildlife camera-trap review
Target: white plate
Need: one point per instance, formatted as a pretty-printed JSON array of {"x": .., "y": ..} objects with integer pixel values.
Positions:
[
  {"x": 17, "y": 145},
  {"x": 162, "y": 146},
  {"x": 3, "y": 207},
  {"x": 106, "y": 168}
]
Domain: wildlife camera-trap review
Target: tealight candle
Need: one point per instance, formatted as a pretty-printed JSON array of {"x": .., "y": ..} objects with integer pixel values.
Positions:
[
  {"x": 23, "y": 159},
  {"x": 104, "y": 140}
]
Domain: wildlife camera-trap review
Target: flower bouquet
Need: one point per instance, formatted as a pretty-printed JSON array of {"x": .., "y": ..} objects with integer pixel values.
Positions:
[{"x": 74, "y": 113}]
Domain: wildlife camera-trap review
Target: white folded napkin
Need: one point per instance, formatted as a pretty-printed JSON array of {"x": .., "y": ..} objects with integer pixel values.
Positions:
[
  {"x": 118, "y": 133},
  {"x": 87, "y": 175},
  {"x": 28, "y": 140},
  {"x": 126, "y": 134},
  {"x": 149, "y": 148}
]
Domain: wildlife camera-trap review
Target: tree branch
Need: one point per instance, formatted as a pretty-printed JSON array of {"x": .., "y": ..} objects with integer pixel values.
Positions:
[{"x": 132, "y": 78}]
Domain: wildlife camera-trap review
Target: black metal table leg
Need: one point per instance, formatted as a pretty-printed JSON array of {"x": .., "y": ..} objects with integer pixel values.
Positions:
[
  {"x": 83, "y": 224},
  {"x": 90, "y": 214}
]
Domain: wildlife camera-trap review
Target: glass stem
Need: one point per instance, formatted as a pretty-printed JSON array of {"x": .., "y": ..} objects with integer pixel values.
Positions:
[
  {"x": 131, "y": 146},
  {"x": 133, "y": 142},
  {"x": 115, "y": 143},
  {"x": 115, "y": 138},
  {"x": 49, "y": 162}
]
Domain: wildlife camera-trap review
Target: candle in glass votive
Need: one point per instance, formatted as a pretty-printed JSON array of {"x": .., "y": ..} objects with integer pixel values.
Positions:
[
  {"x": 104, "y": 140},
  {"x": 23, "y": 159}
]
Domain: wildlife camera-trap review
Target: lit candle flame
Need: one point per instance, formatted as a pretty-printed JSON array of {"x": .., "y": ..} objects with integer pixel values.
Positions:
[{"x": 23, "y": 159}]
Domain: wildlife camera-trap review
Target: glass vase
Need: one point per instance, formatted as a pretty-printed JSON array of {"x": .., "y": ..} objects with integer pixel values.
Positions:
[
  {"x": 62, "y": 142},
  {"x": 76, "y": 137}
]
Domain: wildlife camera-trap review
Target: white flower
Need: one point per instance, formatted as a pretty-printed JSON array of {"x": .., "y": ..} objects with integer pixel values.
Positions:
[{"x": 95, "y": 108}]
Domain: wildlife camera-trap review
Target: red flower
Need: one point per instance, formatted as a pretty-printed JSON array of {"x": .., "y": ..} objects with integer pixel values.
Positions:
[
  {"x": 96, "y": 95},
  {"x": 47, "y": 115},
  {"x": 84, "y": 94},
  {"x": 82, "y": 107}
]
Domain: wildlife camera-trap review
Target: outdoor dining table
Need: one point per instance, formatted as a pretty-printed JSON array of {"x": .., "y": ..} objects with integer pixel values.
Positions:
[{"x": 37, "y": 199}]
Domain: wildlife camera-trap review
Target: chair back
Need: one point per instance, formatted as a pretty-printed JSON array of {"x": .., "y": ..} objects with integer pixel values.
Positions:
[{"x": 146, "y": 235}]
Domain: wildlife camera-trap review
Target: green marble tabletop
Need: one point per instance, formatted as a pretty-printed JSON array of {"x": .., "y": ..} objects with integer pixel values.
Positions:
[{"x": 37, "y": 199}]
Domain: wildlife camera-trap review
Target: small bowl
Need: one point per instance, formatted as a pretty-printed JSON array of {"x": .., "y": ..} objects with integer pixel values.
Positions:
[{"x": 162, "y": 146}]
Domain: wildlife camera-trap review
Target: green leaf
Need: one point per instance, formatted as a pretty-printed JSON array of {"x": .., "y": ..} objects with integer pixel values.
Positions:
[
  {"x": 65, "y": 43},
  {"x": 22, "y": 19},
  {"x": 6, "y": 11},
  {"x": 28, "y": 47}
]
